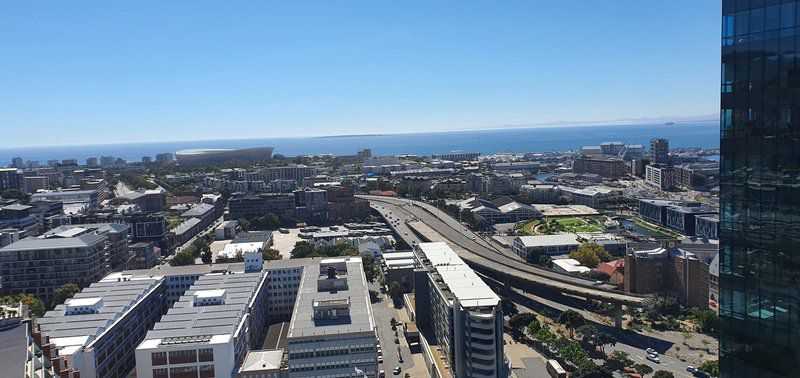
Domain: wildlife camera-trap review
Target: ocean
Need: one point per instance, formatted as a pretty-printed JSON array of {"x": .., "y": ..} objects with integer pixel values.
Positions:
[{"x": 520, "y": 140}]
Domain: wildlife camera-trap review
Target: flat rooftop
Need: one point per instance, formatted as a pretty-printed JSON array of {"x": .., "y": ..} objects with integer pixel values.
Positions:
[
  {"x": 549, "y": 240},
  {"x": 72, "y": 332},
  {"x": 360, "y": 318},
  {"x": 460, "y": 279},
  {"x": 214, "y": 323}
]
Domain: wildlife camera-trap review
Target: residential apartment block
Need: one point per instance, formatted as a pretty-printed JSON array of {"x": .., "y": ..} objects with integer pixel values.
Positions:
[{"x": 464, "y": 314}]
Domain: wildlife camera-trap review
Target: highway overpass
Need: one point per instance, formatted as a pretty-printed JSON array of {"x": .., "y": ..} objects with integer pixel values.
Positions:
[{"x": 415, "y": 222}]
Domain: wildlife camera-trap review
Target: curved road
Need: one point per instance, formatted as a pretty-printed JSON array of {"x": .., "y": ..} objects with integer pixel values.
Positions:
[{"x": 484, "y": 254}]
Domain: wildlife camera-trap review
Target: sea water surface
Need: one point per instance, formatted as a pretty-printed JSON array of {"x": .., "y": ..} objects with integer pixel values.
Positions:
[{"x": 519, "y": 140}]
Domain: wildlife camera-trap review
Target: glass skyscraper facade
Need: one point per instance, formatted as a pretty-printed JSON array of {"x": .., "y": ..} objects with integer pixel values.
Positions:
[{"x": 760, "y": 189}]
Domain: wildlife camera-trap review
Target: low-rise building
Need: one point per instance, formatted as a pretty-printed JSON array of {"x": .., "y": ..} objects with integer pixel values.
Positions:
[
  {"x": 209, "y": 330},
  {"x": 668, "y": 270},
  {"x": 252, "y": 206},
  {"x": 615, "y": 270},
  {"x": 531, "y": 247},
  {"x": 606, "y": 166},
  {"x": 593, "y": 196},
  {"x": 569, "y": 266},
  {"x": 97, "y": 330}
]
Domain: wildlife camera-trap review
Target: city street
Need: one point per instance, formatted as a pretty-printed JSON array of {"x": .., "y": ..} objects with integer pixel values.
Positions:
[{"x": 384, "y": 311}]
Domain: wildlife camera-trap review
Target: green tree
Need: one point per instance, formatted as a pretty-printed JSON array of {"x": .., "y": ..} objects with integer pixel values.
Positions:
[
  {"x": 586, "y": 254},
  {"x": 184, "y": 257},
  {"x": 592, "y": 370},
  {"x": 64, "y": 292},
  {"x": 271, "y": 254},
  {"x": 711, "y": 367},
  {"x": 572, "y": 352},
  {"x": 533, "y": 327},
  {"x": 663, "y": 374},
  {"x": 707, "y": 320},
  {"x": 601, "y": 339},
  {"x": 206, "y": 256},
  {"x": 370, "y": 270},
  {"x": 622, "y": 356},
  {"x": 519, "y": 321},
  {"x": 572, "y": 320},
  {"x": 395, "y": 291},
  {"x": 642, "y": 369},
  {"x": 15, "y": 194},
  {"x": 545, "y": 335},
  {"x": 303, "y": 249},
  {"x": 35, "y": 305},
  {"x": 508, "y": 307}
]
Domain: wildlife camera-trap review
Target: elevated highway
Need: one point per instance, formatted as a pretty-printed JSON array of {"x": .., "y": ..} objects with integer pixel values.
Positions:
[{"x": 417, "y": 222}]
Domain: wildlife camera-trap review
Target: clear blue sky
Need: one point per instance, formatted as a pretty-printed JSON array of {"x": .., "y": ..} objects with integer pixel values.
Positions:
[{"x": 96, "y": 72}]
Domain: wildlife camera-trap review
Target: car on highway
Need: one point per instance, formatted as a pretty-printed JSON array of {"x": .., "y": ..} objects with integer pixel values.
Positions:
[
  {"x": 653, "y": 358},
  {"x": 396, "y": 370}
]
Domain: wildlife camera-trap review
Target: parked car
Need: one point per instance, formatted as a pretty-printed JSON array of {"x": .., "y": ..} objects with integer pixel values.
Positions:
[
  {"x": 396, "y": 370},
  {"x": 691, "y": 369},
  {"x": 651, "y": 351},
  {"x": 654, "y": 358}
]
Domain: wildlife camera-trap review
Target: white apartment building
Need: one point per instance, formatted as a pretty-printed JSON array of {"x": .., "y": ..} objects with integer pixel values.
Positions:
[{"x": 465, "y": 314}]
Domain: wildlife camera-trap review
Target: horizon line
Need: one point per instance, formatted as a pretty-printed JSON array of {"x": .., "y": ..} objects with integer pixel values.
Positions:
[{"x": 623, "y": 122}]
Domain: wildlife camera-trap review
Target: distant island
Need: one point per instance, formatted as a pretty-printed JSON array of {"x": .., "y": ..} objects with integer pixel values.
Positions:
[{"x": 350, "y": 136}]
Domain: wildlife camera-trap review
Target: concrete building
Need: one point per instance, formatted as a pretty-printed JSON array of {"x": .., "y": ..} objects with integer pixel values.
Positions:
[
  {"x": 332, "y": 331},
  {"x": 11, "y": 178},
  {"x": 461, "y": 310},
  {"x": 679, "y": 216},
  {"x": 569, "y": 266},
  {"x": 36, "y": 183},
  {"x": 312, "y": 205},
  {"x": 343, "y": 206},
  {"x": 659, "y": 151},
  {"x": 531, "y": 247},
  {"x": 293, "y": 172},
  {"x": 707, "y": 226},
  {"x": 501, "y": 210},
  {"x": 97, "y": 330},
  {"x": 661, "y": 177},
  {"x": 149, "y": 201},
  {"x": 165, "y": 158},
  {"x": 670, "y": 271},
  {"x": 462, "y": 156},
  {"x": 144, "y": 255},
  {"x": 226, "y": 230},
  {"x": 209, "y": 330},
  {"x": 73, "y": 199},
  {"x": 251, "y": 206},
  {"x": 597, "y": 197},
  {"x": 399, "y": 267},
  {"x": 91, "y": 162},
  {"x": 606, "y": 166},
  {"x": 118, "y": 256},
  {"x": 77, "y": 255}
]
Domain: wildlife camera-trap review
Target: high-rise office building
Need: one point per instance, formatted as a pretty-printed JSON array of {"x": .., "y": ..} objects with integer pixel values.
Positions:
[
  {"x": 17, "y": 162},
  {"x": 759, "y": 264},
  {"x": 659, "y": 150}
]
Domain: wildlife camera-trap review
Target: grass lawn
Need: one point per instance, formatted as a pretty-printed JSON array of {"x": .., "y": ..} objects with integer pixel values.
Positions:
[
  {"x": 528, "y": 228},
  {"x": 578, "y": 225}
]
